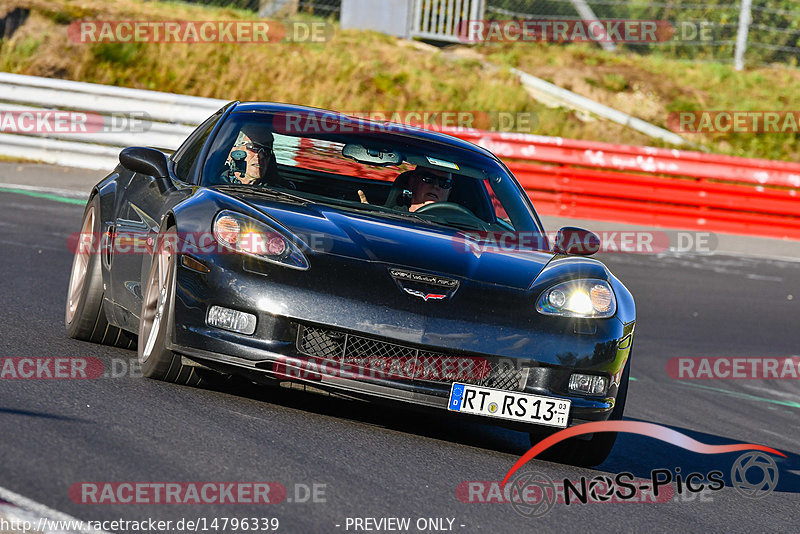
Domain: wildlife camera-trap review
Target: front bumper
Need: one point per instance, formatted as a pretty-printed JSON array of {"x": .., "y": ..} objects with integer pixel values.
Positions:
[{"x": 539, "y": 360}]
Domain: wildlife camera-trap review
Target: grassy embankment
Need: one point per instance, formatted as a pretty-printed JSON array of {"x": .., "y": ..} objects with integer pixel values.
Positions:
[{"x": 357, "y": 71}]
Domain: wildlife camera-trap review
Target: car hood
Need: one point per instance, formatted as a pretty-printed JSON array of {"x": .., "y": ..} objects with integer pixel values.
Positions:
[{"x": 397, "y": 242}]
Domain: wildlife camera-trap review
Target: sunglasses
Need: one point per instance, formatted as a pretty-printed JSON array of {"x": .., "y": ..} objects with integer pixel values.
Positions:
[
  {"x": 444, "y": 183},
  {"x": 254, "y": 147}
]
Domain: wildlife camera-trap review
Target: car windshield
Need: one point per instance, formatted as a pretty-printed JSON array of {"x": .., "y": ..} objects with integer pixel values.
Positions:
[{"x": 335, "y": 160}]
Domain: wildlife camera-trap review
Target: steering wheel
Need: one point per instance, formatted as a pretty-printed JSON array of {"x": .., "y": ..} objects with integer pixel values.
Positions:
[
  {"x": 456, "y": 211},
  {"x": 444, "y": 208}
]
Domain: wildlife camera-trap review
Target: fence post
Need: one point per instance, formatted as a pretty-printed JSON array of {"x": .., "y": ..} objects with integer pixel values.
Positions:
[
  {"x": 271, "y": 8},
  {"x": 741, "y": 36},
  {"x": 415, "y": 22},
  {"x": 477, "y": 10}
]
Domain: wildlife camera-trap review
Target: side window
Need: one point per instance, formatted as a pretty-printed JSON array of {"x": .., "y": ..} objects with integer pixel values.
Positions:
[{"x": 187, "y": 155}]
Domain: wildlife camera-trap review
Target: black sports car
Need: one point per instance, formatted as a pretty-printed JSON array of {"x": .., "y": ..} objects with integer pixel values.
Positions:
[{"x": 292, "y": 245}]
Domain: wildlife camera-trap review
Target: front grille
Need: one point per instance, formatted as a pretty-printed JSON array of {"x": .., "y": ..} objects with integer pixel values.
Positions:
[{"x": 373, "y": 358}]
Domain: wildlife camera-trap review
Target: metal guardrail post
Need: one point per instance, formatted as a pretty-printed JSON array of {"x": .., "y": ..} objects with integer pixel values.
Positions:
[
  {"x": 745, "y": 17},
  {"x": 586, "y": 13}
]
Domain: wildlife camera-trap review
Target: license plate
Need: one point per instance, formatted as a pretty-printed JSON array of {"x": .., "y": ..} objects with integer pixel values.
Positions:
[{"x": 466, "y": 398}]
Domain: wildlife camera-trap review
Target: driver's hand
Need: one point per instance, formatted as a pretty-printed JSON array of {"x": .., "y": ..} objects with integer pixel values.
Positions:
[{"x": 363, "y": 197}]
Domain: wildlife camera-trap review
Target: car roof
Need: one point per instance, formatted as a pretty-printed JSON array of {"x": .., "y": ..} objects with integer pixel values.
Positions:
[{"x": 396, "y": 129}]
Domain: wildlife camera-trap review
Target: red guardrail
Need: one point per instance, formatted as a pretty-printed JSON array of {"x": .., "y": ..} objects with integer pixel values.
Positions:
[{"x": 652, "y": 186}]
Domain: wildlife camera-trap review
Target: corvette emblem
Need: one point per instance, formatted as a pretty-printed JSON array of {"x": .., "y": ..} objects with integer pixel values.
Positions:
[
  {"x": 424, "y": 296},
  {"x": 430, "y": 279},
  {"x": 419, "y": 284}
]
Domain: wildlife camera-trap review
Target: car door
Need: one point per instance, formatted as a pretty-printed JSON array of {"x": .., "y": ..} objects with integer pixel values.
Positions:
[{"x": 140, "y": 208}]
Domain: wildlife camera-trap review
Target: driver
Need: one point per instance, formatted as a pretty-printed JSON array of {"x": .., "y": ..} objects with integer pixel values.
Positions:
[
  {"x": 258, "y": 166},
  {"x": 426, "y": 186}
]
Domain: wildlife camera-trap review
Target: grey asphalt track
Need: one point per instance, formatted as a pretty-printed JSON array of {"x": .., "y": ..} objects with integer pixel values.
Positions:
[{"x": 376, "y": 461}]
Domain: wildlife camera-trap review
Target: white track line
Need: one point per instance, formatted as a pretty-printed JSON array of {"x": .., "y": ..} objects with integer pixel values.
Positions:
[
  {"x": 41, "y": 511},
  {"x": 69, "y": 193}
]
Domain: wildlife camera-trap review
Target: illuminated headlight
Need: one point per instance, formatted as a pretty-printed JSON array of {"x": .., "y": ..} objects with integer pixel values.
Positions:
[
  {"x": 248, "y": 236},
  {"x": 588, "y": 384},
  {"x": 578, "y": 298},
  {"x": 233, "y": 320}
]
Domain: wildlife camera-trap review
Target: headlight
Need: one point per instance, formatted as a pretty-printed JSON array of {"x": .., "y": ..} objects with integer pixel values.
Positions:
[
  {"x": 578, "y": 298},
  {"x": 246, "y": 235}
]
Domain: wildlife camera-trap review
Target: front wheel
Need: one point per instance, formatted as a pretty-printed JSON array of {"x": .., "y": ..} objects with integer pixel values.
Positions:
[
  {"x": 593, "y": 451},
  {"x": 156, "y": 321}
]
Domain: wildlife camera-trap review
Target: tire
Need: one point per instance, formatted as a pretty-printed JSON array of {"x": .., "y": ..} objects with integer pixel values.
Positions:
[
  {"x": 156, "y": 322},
  {"x": 594, "y": 451},
  {"x": 85, "y": 317}
]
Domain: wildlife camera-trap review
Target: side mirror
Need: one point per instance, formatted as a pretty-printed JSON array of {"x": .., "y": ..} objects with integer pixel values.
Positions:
[
  {"x": 147, "y": 161},
  {"x": 571, "y": 240}
]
